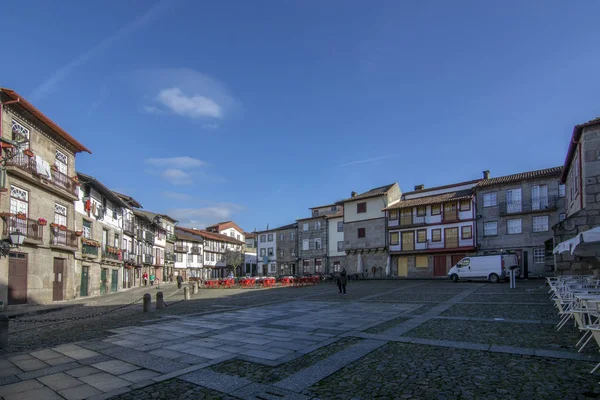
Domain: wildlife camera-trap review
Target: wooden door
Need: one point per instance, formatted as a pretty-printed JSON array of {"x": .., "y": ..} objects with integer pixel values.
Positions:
[
  {"x": 59, "y": 281},
  {"x": 451, "y": 238},
  {"x": 114, "y": 281},
  {"x": 402, "y": 266},
  {"x": 17, "y": 278},
  {"x": 103, "y": 280},
  {"x": 85, "y": 276},
  {"x": 439, "y": 266},
  {"x": 408, "y": 241}
]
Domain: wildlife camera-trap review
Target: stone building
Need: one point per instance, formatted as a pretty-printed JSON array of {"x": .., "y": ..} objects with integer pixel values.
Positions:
[
  {"x": 267, "y": 252},
  {"x": 515, "y": 213},
  {"x": 312, "y": 240},
  {"x": 336, "y": 256},
  {"x": 365, "y": 236},
  {"x": 189, "y": 261},
  {"x": 287, "y": 249},
  {"x": 39, "y": 183},
  {"x": 581, "y": 177},
  {"x": 100, "y": 215}
]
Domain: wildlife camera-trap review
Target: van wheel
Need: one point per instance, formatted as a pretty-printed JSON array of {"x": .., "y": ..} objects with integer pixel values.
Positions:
[
  {"x": 494, "y": 278},
  {"x": 454, "y": 278}
]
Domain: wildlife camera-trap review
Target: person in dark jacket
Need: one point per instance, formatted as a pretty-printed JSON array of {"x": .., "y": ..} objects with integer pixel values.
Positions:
[
  {"x": 179, "y": 281},
  {"x": 343, "y": 281}
]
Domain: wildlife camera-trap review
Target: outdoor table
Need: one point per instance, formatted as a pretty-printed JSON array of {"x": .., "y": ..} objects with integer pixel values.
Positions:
[
  {"x": 213, "y": 283},
  {"x": 247, "y": 282}
]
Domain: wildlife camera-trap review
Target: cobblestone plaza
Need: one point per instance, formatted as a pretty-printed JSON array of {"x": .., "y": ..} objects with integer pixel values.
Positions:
[{"x": 385, "y": 339}]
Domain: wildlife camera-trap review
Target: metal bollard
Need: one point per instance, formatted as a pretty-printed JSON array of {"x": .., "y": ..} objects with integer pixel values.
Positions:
[
  {"x": 186, "y": 293},
  {"x": 147, "y": 302},
  {"x": 3, "y": 330},
  {"x": 160, "y": 303},
  {"x": 195, "y": 288}
]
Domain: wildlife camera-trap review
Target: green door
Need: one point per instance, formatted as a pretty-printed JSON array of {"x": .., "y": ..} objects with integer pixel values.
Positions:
[
  {"x": 84, "y": 281},
  {"x": 114, "y": 281},
  {"x": 103, "y": 280}
]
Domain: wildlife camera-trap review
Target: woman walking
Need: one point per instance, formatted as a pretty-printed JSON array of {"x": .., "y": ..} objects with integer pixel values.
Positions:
[{"x": 342, "y": 281}]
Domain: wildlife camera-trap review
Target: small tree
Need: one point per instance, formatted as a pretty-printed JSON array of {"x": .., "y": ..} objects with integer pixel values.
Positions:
[{"x": 234, "y": 258}]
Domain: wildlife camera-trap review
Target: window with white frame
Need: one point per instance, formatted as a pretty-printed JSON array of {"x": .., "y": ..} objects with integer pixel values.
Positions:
[
  {"x": 20, "y": 133},
  {"x": 270, "y": 237},
  {"x": 513, "y": 200},
  {"x": 305, "y": 244},
  {"x": 291, "y": 235},
  {"x": 305, "y": 266},
  {"x": 19, "y": 200},
  {"x": 272, "y": 268},
  {"x": 540, "y": 223},
  {"x": 212, "y": 256},
  {"x": 317, "y": 243},
  {"x": 270, "y": 252},
  {"x": 263, "y": 252},
  {"x": 489, "y": 199},
  {"x": 282, "y": 236},
  {"x": 318, "y": 265},
  {"x": 561, "y": 190},
  {"x": 318, "y": 225},
  {"x": 539, "y": 256},
  {"x": 340, "y": 226},
  {"x": 490, "y": 228},
  {"x": 87, "y": 229},
  {"x": 263, "y": 238},
  {"x": 60, "y": 214},
  {"x": 206, "y": 256},
  {"x": 514, "y": 226},
  {"x": 180, "y": 257},
  {"x": 61, "y": 162},
  {"x": 305, "y": 226},
  {"x": 336, "y": 266}
]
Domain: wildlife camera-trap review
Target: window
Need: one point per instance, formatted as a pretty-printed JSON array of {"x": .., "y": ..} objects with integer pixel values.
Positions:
[
  {"x": 465, "y": 205},
  {"x": 281, "y": 253},
  {"x": 539, "y": 197},
  {"x": 514, "y": 226},
  {"x": 291, "y": 235},
  {"x": 180, "y": 257},
  {"x": 270, "y": 252},
  {"x": 490, "y": 228},
  {"x": 513, "y": 200},
  {"x": 272, "y": 268},
  {"x": 436, "y": 209},
  {"x": 318, "y": 225},
  {"x": 340, "y": 246},
  {"x": 394, "y": 238},
  {"x": 305, "y": 227},
  {"x": 282, "y": 236},
  {"x": 318, "y": 265},
  {"x": 340, "y": 226},
  {"x": 305, "y": 266},
  {"x": 539, "y": 256},
  {"x": 421, "y": 262},
  {"x": 19, "y": 200},
  {"x": 540, "y": 224},
  {"x": 87, "y": 229},
  {"x": 212, "y": 256},
  {"x": 466, "y": 232},
  {"x": 561, "y": 217},
  {"x": 237, "y": 236},
  {"x": 361, "y": 208},
  {"x": 61, "y": 162},
  {"x": 333, "y": 208},
  {"x": 270, "y": 237},
  {"x": 561, "y": 190},
  {"x": 117, "y": 240},
  {"x": 263, "y": 252},
  {"x": 315, "y": 212},
  {"x": 436, "y": 235},
  {"x": 421, "y": 211},
  {"x": 489, "y": 199},
  {"x": 208, "y": 256},
  {"x": 263, "y": 238},
  {"x": 20, "y": 133},
  {"x": 393, "y": 214},
  {"x": 421, "y": 235},
  {"x": 304, "y": 244},
  {"x": 60, "y": 214},
  {"x": 317, "y": 243},
  {"x": 336, "y": 266},
  {"x": 361, "y": 232},
  {"x": 293, "y": 253}
]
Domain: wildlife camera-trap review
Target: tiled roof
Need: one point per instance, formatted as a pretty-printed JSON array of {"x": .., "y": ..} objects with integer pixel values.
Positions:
[
  {"x": 313, "y": 217},
  {"x": 523, "y": 176},
  {"x": 368, "y": 194},
  {"x": 129, "y": 200},
  {"x": 279, "y": 228},
  {"x": 326, "y": 205},
  {"x": 338, "y": 214},
  {"x": 249, "y": 235},
  {"x": 45, "y": 120},
  {"x": 187, "y": 236},
  {"x": 99, "y": 186},
  {"x": 436, "y": 199},
  {"x": 220, "y": 226},
  {"x": 425, "y": 190},
  {"x": 211, "y": 235},
  {"x": 150, "y": 215},
  {"x": 577, "y": 131}
]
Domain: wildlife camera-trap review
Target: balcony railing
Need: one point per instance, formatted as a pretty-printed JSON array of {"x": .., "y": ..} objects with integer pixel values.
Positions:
[
  {"x": 171, "y": 237},
  {"x": 23, "y": 162},
  {"x": 128, "y": 226},
  {"x": 170, "y": 257},
  {"x": 63, "y": 181},
  {"x": 90, "y": 251},
  {"x": 139, "y": 234},
  {"x": 195, "y": 250},
  {"x": 129, "y": 257},
  {"x": 149, "y": 236},
  {"x": 409, "y": 220},
  {"x": 110, "y": 253},
  {"x": 66, "y": 238},
  {"x": 179, "y": 248},
  {"x": 147, "y": 259},
  {"x": 537, "y": 204},
  {"x": 28, "y": 164},
  {"x": 30, "y": 227}
]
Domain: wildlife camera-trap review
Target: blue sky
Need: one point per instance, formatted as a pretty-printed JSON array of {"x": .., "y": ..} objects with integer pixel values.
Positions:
[{"x": 256, "y": 111}]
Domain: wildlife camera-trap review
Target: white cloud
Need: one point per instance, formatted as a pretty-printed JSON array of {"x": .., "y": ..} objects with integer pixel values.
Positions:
[
  {"x": 367, "y": 160},
  {"x": 50, "y": 84},
  {"x": 176, "y": 162},
  {"x": 176, "y": 176},
  {"x": 177, "y": 196},
  {"x": 204, "y": 216},
  {"x": 210, "y": 126},
  {"x": 194, "y": 106}
]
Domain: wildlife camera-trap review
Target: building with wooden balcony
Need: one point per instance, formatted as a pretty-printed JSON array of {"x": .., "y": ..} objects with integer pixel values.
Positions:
[
  {"x": 516, "y": 213},
  {"x": 100, "y": 221},
  {"x": 132, "y": 266},
  {"x": 189, "y": 260},
  {"x": 429, "y": 230},
  {"x": 39, "y": 184}
]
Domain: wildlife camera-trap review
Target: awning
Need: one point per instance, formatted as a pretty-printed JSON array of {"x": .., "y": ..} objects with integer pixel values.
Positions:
[{"x": 585, "y": 244}]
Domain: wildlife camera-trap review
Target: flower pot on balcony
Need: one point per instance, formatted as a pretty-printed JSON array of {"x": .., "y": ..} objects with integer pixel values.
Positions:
[
  {"x": 28, "y": 153},
  {"x": 21, "y": 216},
  {"x": 42, "y": 222},
  {"x": 62, "y": 228},
  {"x": 79, "y": 233}
]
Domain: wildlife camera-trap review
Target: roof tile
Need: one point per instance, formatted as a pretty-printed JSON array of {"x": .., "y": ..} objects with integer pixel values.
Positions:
[
  {"x": 540, "y": 173},
  {"x": 436, "y": 199}
]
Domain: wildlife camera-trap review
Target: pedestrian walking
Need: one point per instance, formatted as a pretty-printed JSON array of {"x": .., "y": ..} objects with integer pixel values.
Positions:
[
  {"x": 343, "y": 281},
  {"x": 152, "y": 280},
  {"x": 179, "y": 281},
  {"x": 145, "y": 276}
]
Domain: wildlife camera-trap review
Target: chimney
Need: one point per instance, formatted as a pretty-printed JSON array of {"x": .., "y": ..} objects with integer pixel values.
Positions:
[
  {"x": 486, "y": 174},
  {"x": 419, "y": 187},
  {"x": 353, "y": 194}
]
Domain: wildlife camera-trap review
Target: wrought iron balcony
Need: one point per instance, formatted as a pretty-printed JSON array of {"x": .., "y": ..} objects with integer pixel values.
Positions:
[
  {"x": 89, "y": 251},
  {"x": 63, "y": 181},
  {"x": 30, "y": 227},
  {"x": 147, "y": 259},
  {"x": 129, "y": 257},
  {"x": 170, "y": 257},
  {"x": 195, "y": 250},
  {"x": 66, "y": 238},
  {"x": 148, "y": 236},
  {"x": 23, "y": 162},
  {"x": 171, "y": 237},
  {"x": 537, "y": 204},
  {"x": 111, "y": 253},
  {"x": 128, "y": 226},
  {"x": 179, "y": 248}
]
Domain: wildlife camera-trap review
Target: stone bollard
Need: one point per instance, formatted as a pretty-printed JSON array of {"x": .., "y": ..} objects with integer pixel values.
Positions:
[
  {"x": 186, "y": 293},
  {"x": 3, "y": 330},
  {"x": 160, "y": 303},
  {"x": 147, "y": 302},
  {"x": 195, "y": 288}
]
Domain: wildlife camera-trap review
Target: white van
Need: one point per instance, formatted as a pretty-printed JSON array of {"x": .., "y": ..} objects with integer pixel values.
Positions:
[{"x": 492, "y": 268}]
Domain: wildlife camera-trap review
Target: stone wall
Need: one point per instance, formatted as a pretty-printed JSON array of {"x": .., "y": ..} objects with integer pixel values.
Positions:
[{"x": 369, "y": 260}]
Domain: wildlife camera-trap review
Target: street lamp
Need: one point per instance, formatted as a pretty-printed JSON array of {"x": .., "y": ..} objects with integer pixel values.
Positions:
[{"x": 17, "y": 238}]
